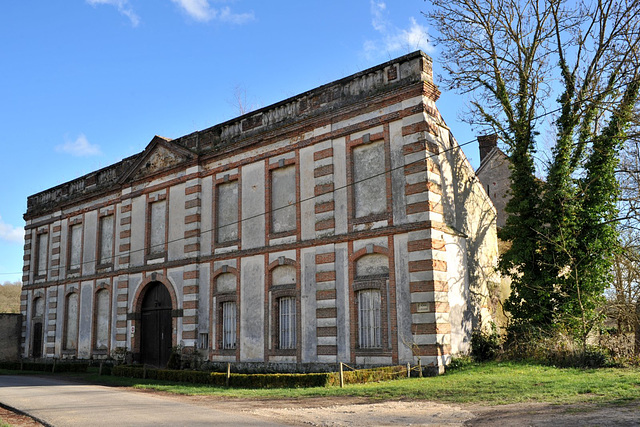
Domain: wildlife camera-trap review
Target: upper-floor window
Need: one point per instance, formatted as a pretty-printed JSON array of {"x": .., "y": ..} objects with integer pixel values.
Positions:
[
  {"x": 75, "y": 247},
  {"x": 369, "y": 179},
  {"x": 42, "y": 243},
  {"x": 158, "y": 227},
  {"x": 105, "y": 255},
  {"x": 227, "y": 212},
  {"x": 283, "y": 199}
]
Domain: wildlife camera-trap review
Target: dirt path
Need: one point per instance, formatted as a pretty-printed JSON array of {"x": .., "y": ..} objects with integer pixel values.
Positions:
[
  {"x": 352, "y": 411},
  {"x": 346, "y": 411}
]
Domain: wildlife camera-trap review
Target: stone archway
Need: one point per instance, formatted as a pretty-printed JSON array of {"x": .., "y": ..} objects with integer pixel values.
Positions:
[{"x": 156, "y": 325}]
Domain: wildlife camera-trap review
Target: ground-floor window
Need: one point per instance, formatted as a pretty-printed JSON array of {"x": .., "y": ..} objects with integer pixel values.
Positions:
[
  {"x": 287, "y": 322},
  {"x": 229, "y": 316},
  {"x": 369, "y": 321}
]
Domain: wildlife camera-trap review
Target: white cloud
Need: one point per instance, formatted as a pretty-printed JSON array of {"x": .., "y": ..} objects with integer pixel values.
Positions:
[
  {"x": 10, "y": 233},
  {"x": 122, "y": 6},
  {"x": 393, "y": 39},
  {"x": 79, "y": 148},
  {"x": 201, "y": 10}
]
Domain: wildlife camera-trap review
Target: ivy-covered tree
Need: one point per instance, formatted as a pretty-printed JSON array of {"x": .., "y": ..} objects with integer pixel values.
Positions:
[{"x": 535, "y": 68}]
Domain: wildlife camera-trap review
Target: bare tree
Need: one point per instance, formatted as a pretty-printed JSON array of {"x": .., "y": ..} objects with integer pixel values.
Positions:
[{"x": 521, "y": 60}]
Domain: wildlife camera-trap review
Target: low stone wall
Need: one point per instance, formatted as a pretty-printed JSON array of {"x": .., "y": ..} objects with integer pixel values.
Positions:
[{"x": 10, "y": 336}]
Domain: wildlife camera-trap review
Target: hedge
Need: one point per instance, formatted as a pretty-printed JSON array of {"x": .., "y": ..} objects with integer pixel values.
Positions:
[
  {"x": 45, "y": 367},
  {"x": 261, "y": 380},
  {"x": 362, "y": 376},
  {"x": 220, "y": 379}
]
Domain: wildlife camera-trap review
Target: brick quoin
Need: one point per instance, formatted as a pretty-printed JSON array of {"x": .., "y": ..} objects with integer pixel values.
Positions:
[
  {"x": 426, "y": 244},
  {"x": 190, "y": 274},
  {"x": 325, "y": 258},
  {"x": 323, "y": 189},
  {"x": 325, "y": 276},
  {"x": 325, "y": 207},
  {"x": 193, "y": 189},
  {"x": 323, "y": 154},
  {"x": 323, "y": 171}
]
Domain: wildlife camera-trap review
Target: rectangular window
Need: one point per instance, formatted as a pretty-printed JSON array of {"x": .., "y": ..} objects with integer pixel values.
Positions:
[
  {"x": 43, "y": 243},
  {"x": 75, "y": 247},
  {"x": 283, "y": 199},
  {"x": 203, "y": 341},
  {"x": 227, "y": 212},
  {"x": 103, "y": 300},
  {"x": 229, "y": 325},
  {"x": 369, "y": 331},
  {"x": 369, "y": 179},
  {"x": 71, "y": 324},
  {"x": 287, "y": 322},
  {"x": 157, "y": 236},
  {"x": 106, "y": 239}
]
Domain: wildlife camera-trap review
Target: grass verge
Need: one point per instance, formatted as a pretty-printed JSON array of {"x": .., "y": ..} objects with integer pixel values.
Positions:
[{"x": 489, "y": 383}]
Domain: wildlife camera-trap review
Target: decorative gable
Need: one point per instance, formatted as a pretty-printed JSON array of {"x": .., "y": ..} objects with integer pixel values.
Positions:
[{"x": 161, "y": 154}]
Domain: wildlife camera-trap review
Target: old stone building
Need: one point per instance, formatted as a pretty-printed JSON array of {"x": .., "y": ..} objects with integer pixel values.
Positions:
[{"x": 342, "y": 224}]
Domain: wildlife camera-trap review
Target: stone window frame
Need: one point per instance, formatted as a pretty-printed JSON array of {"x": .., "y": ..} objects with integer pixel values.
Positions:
[
  {"x": 215, "y": 312},
  {"x": 101, "y": 215},
  {"x": 103, "y": 287},
  {"x": 65, "y": 350},
  {"x": 368, "y": 138},
  {"x": 36, "y": 264},
  {"x": 275, "y": 292},
  {"x": 381, "y": 282},
  {"x": 271, "y": 166},
  {"x": 77, "y": 221},
  {"x": 151, "y": 199},
  {"x": 226, "y": 178}
]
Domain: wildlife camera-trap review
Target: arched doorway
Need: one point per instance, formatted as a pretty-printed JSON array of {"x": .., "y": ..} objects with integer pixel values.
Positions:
[{"x": 156, "y": 325}]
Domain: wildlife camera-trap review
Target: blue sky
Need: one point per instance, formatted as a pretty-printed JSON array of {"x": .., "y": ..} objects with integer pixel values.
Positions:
[{"x": 85, "y": 83}]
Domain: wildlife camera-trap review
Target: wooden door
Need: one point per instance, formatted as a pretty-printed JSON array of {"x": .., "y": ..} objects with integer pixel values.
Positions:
[
  {"x": 156, "y": 326},
  {"x": 36, "y": 347}
]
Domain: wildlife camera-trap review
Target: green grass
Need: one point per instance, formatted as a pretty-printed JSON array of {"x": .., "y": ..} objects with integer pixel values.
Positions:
[{"x": 489, "y": 383}]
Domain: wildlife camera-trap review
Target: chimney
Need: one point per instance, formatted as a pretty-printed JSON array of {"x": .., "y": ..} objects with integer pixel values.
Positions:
[{"x": 486, "y": 144}]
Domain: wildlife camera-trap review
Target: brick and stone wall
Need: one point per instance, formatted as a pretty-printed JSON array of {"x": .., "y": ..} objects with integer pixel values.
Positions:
[{"x": 299, "y": 196}]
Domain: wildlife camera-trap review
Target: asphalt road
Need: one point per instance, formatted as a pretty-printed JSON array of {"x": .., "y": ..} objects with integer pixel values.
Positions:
[{"x": 61, "y": 403}]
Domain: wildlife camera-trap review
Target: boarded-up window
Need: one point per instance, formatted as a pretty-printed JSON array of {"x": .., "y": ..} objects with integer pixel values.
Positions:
[
  {"x": 157, "y": 236},
  {"x": 287, "y": 322},
  {"x": 369, "y": 319},
  {"x": 106, "y": 239},
  {"x": 372, "y": 265},
  {"x": 43, "y": 243},
  {"x": 75, "y": 247},
  {"x": 369, "y": 179},
  {"x": 226, "y": 283},
  {"x": 102, "y": 320},
  {"x": 283, "y": 275},
  {"x": 283, "y": 199},
  {"x": 38, "y": 307},
  {"x": 71, "y": 323},
  {"x": 227, "y": 212}
]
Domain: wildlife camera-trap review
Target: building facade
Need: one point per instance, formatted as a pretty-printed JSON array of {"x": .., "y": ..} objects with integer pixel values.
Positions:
[{"x": 340, "y": 225}]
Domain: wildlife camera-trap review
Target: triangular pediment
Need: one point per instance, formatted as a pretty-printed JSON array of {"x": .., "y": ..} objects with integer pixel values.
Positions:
[{"x": 161, "y": 154}]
